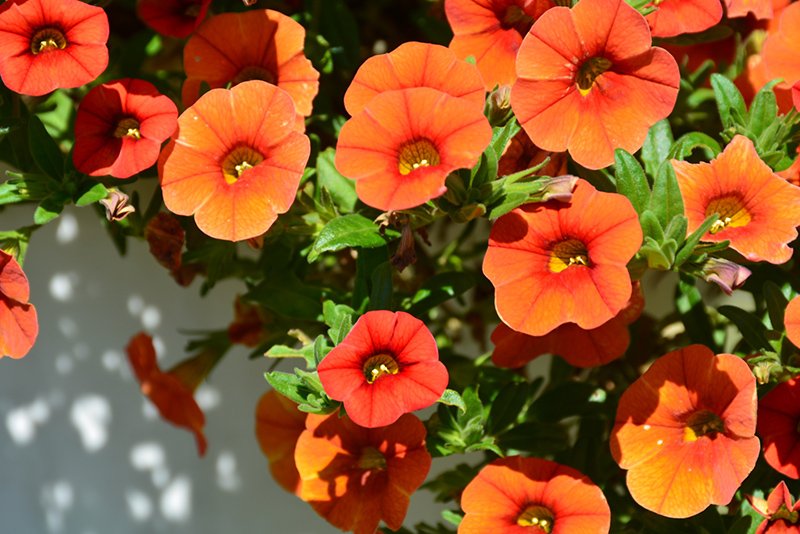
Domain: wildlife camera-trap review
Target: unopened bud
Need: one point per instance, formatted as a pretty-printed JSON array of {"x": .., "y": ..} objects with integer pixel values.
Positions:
[
  {"x": 116, "y": 204},
  {"x": 726, "y": 274},
  {"x": 559, "y": 188}
]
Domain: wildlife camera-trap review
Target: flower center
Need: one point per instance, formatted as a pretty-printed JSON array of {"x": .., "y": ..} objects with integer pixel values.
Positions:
[
  {"x": 515, "y": 18},
  {"x": 568, "y": 253},
  {"x": 536, "y": 516},
  {"x": 371, "y": 458},
  {"x": 378, "y": 366},
  {"x": 589, "y": 71},
  {"x": 417, "y": 154},
  {"x": 127, "y": 127},
  {"x": 48, "y": 39},
  {"x": 784, "y": 514},
  {"x": 253, "y": 73},
  {"x": 702, "y": 423},
  {"x": 732, "y": 213},
  {"x": 238, "y": 161}
]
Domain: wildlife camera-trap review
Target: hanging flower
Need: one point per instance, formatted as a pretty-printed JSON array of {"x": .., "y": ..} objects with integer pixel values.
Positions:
[
  {"x": 172, "y": 392},
  {"x": 685, "y": 431},
  {"x": 781, "y": 50},
  {"x": 778, "y": 419},
  {"x": 608, "y": 92},
  {"x": 517, "y": 494},
  {"x": 674, "y": 17},
  {"x": 400, "y": 148},
  {"x": 120, "y": 127},
  {"x": 260, "y": 44},
  {"x": 579, "y": 347},
  {"x": 175, "y": 18},
  {"x": 556, "y": 263},
  {"x": 355, "y": 477},
  {"x": 744, "y": 191},
  {"x": 781, "y": 516},
  {"x": 51, "y": 44},
  {"x": 236, "y": 160},
  {"x": 386, "y": 366},
  {"x": 278, "y": 426},
  {"x": 19, "y": 324},
  {"x": 491, "y": 31},
  {"x": 415, "y": 64}
]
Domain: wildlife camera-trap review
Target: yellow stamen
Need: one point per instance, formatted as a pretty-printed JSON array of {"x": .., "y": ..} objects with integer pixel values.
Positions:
[
  {"x": 702, "y": 423},
  {"x": 378, "y": 366},
  {"x": 536, "y": 516},
  {"x": 238, "y": 162},
  {"x": 589, "y": 71},
  {"x": 732, "y": 213},
  {"x": 127, "y": 127},
  {"x": 568, "y": 253},
  {"x": 416, "y": 155},
  {"x": 48, "y": 39}
]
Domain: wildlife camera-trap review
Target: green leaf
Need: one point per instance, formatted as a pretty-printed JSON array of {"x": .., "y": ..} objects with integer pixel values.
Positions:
[
  {"x": 651, "y": 227},
  {"x": 349, "y": 231},
  {"x": 508, "y": 406},
  {"x": 538, "y": 438},
  {"x": 687, "y": 143},
  {"x": 440, "y": 288},
  {"x": 631, "y": 180},
  {"x": 288, "y": 385},
  {"x": 730, "y": 103},
  {"x": 381, "y": 294},
  {"x": 776, "y": 304},
  {"x": 339, "y": 318},
  {"x": 693, "y": 314},
  {"x": 763, "y": 110},
  {"x": 341, "y": 189},
  {"x": 485, "y": 171},
  {"x": 283, "y": 351},
  {"x": 286, "y": 295},
  {"x": 451, "y": 397},
  {"x": 688, "y": 247},
  {"x": 44, "y": 150},
  {"x": 50, "y": 208},
  {"x": 95, "y": 193},
  {"x": 656, "y": 146},
  {"x": 565, "y": 400},
  {"x": 502, "y": 135},
  {"x": 752, "y": 329},
  {"x": 666, "y": 202}
]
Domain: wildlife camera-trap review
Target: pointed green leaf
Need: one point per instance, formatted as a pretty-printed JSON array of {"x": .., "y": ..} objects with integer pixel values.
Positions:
[
  {"x": 631, "y": 180},
  {"x": 656, "y": 146},
  {"x": 666, "y": 202},
  {"x": 730, "y": 102},
  {"x": 44, "y": 150}
]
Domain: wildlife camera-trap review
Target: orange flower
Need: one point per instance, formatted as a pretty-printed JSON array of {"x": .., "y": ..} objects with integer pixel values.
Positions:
[
  {"x": 259, "y": 44},
  {"x": 400, "y": 148},
  {"x": 781, "y": 49},
  {"x": 605, "y": 95},
  {"x": 19, "y": 324},
  {"x": 491, "y": 32},
  {"x": 579, "y": 347},
  {"x": 674, "y": 17},
  {"x": 415, "y": 65},
  {"x": 761, "y": 9},
  {"x": 556, "y": 263},
  {"x": 685, "y": 431},
  {"x": 355, "y": 477},
  {"x": 513, "y": 494},
  {"x": 791, "y": 321},
  {"x": 778, "y": 420},
  {"x": 744, "y": 191},
  {"x": 236, "y": 160},
  {"x": 278, "y": 425},
  {"x": 172, "y": 392},
  {"x": 755, "y": 77}
]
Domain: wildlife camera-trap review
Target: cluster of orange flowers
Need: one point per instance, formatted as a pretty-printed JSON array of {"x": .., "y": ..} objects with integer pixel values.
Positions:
[{"x": 584, "y": 83}]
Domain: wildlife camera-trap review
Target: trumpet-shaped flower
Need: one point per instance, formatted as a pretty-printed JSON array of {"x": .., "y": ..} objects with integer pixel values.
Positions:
[
  {"x": 778, "y": 419},
  {"x": 19, "y": 325},
  {"x": 278, "y": 426}
]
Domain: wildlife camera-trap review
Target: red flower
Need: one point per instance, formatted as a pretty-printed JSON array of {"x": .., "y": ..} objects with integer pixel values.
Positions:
[
  {"x": 513, "y": 494},
  {"x": 579, "y": 347},
  {"x": 685, "y": 431},
  {"x": 278, "y": 426},
  {"x": 744, "y": 191},
  {"x": 556, "y": 263},
  {"x": 778, "y": 419},
  {"x": 415, "y": 65},
  {"x": 236, "y": 160},
  {"x": 589, "y": 81},
  {"x": 120, "y": 126},
  {"x": 491, "y": 32},
  {"x": 18, "y": 321},
  {"x": 782, "y": 517},
  {"x": 400, "y": 148},
  {"x": 674, "y": 17},
  {"x": 386, "y": 366},
  {"x": 172, "y": 392},
  {"x": 176, "y": 18},
  {"x": 51, "y": 44},
  {"x": 355, "y": 477},
  {"x": 260, "y": 44}
]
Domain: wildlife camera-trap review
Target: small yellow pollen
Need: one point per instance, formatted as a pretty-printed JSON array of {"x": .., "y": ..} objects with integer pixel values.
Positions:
[
  {"x": 568, "y": 253},
  {"x": 378, "y": 366}
]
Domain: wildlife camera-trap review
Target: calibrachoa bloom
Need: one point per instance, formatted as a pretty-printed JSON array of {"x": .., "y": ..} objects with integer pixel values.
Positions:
[
  {"x": 781, "y": 516},
  {"x": 589, "y": 81},
  {"x": 556, "y": 263},
  {"x": 355, "y": 477},
  {"x": 781, "y": 51},
  {"x": 386, "y": 366},
  {"x": 172, "y": 392},
  {"x": 18, "y": 321},
  {"x": 260, "y": 44},
  {"x": 791, "y": 321},
  {"x": 400, "y": 148},
  {"x": 236, "y": 160},
  {"x": 685, "y": 431},
  {"x": 579, "y": 347},
  {"x": 51, "y": 44},
  {"x": 278, "y": 426},
  {"x": 120, "y": 126},
  {"x": 176, "y": 18},
  {"x": 415, "y": 65},
  {"x": 517, "y": 495},
  {"x": 674, "y": 17},
  {"x": 761, "y": 9},
  {"x": 491, "y": 31},
  {"x": 744, "y": 191},
  {"x": 778, "y": 419}
]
